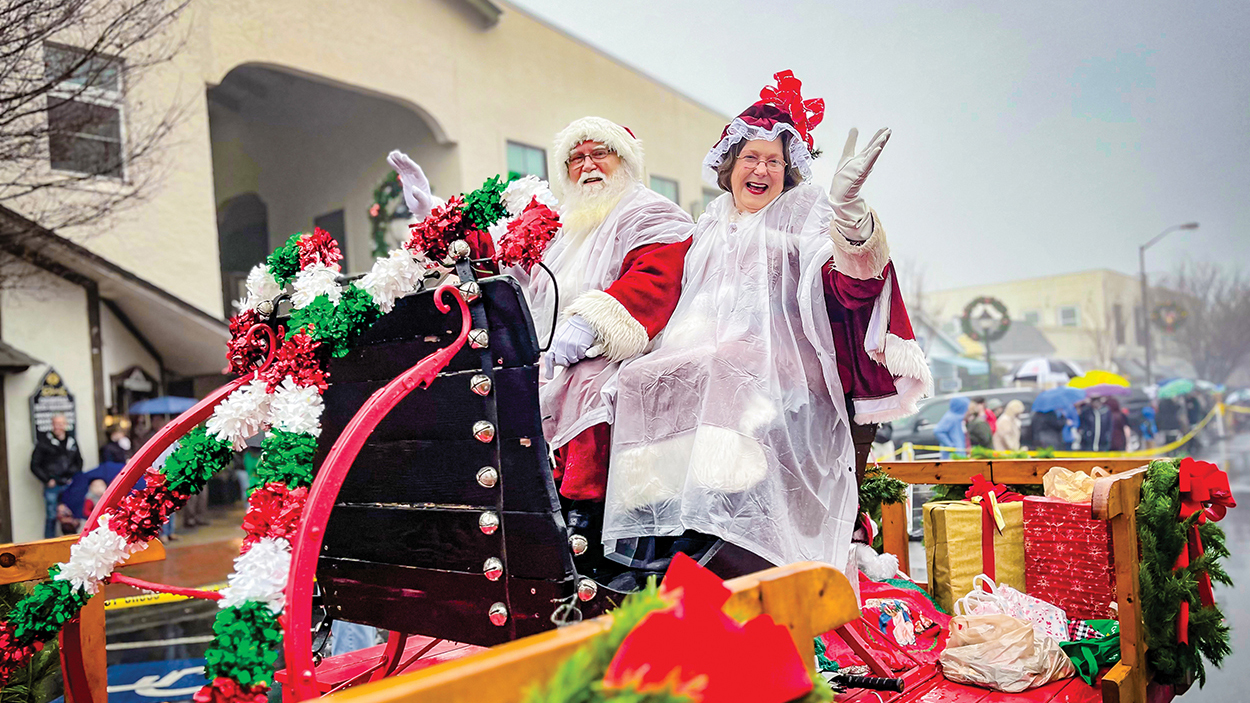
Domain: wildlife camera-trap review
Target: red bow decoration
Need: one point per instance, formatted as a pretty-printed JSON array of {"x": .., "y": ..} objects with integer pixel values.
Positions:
[
  {"x": 1204, "y": 490},
  {"x": 989, "y": 495},
  {"x": 787, "y": 96},
  {"x": 702, "y": 652}
]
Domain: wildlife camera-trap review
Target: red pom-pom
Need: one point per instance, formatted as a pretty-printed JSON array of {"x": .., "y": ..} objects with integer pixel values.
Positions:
[
  {"x": 528, "y": 236},
  {"x": 13, "y": 656},
  {"x": 319, "y": 248},
  {"x": 273, "y": 510},
  {"x": 298, "y": 358},
  {"x": 224, "y": 690},
  {"x": 444, "y": 225},
  {"x": 244, "y": 352},
  {"x": 143, "y": 513}
]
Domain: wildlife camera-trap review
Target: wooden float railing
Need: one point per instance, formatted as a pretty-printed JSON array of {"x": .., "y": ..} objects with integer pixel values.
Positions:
[
  {"x": 1115, "y": 499},
  {"x": 86, "y": 665},
  {"x": 807, "y": 598}
]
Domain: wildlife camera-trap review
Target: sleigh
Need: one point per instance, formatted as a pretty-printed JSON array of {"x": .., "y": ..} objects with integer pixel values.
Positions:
[{"x": 434, "y": 516}]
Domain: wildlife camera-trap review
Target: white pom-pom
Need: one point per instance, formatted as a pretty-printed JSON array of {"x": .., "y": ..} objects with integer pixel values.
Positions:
[
  {"x": 877, "y": 567},
  {"x": 296, "y": 409},
  {"x": 520, "y": 192},
  {"x": 260, "y": 575},
  {"x": 242, "y": 414},
  {"x": 392, "y": 277},
  {"x": 94, "y": 557},
  {"x": 261, "y": 285},
  {"x": 313, "y": 281}
]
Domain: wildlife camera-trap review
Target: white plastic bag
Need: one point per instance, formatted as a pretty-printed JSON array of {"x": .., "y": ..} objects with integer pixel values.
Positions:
[
  {"x": 988, "y": 598},
  {"x": 1003, "y": 653}
]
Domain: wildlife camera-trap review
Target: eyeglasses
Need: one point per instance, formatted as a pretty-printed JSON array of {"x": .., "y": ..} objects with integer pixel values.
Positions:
[
  {"x": 751, "y": 161},
  {"x": 598, "y": 155}
]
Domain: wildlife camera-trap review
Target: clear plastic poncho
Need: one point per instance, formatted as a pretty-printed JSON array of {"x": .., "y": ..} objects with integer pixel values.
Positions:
[
  {"x": 735, "y": 423},
  {"x": 581, "y": 396}
]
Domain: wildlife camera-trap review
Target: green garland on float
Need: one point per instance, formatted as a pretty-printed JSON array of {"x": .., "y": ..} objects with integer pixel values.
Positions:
[{"x": 1162, "y": 536}]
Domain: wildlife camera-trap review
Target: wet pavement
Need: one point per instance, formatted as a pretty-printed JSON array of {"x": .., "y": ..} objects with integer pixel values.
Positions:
[{"x": 178, "y": 633}]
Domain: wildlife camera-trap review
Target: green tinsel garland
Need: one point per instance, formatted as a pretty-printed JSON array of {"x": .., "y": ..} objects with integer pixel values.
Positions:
[
  {"x": 42, "y": 614},
  {"x": 284, "y": 261},
  {"x": 336, "y": 326},
  {"x": 197, "y": 458},
  {"x": 286, "y": 457},
  {"x": 1162, "y": 536},
  {"x": 579, "y": 679},
  {"x": 484, "y": 206},
  {"x": 246, "y": 648},
  {"x": 35, "y": 682}
]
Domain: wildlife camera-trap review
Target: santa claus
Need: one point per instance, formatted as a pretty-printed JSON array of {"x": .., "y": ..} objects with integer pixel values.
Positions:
[
  {"x": 617, "y": 262},
  {"x": 738, "y": 424}
]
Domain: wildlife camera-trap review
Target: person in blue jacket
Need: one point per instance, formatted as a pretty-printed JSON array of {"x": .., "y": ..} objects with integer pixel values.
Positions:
[{"x": 950, "y": 429}]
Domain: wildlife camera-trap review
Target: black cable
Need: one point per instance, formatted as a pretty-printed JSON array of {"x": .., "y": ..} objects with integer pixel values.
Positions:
[{"x": 555, "y": 315}]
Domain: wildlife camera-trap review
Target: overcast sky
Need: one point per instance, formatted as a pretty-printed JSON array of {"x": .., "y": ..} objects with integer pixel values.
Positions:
[{"x": 1029, "y": 138}]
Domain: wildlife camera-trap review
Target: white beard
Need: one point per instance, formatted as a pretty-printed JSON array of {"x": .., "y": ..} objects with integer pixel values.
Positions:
[{"x": 587, "y": 206}]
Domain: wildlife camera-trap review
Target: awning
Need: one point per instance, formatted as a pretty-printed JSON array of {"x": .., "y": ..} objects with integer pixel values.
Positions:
[
  {"x": 189, "y": 341},
  {"x": 15, "y": 361}
]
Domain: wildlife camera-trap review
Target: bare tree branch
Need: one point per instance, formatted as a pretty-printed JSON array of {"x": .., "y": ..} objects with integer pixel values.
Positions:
[{"x": 1215, "y": 336}]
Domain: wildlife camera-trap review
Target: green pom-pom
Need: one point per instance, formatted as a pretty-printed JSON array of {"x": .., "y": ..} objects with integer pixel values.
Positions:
[
  {"x": 287, "y": 457},
  {"x": 484, "y": 206},
  {"x": 246, "y": 649},
  {"x": 197, "y": 458},
  {"x": 336, "y": 326},
  {"x": 41, "y": 615},
  {"x": 283, "y": 263}
]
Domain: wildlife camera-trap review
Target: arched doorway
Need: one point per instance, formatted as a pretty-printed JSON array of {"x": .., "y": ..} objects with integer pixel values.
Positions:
[{"x": 243, "y": 240}]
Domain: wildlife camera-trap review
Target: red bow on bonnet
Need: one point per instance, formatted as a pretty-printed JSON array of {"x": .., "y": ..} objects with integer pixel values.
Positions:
[{"x": 787, "y": 96}]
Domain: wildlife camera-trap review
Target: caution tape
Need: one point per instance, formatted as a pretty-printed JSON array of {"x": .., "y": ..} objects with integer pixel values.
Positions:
[
  {"x": 152, "y": 599},
  {"x": 1237, "y": 409},
  {"x": 1153, "y": 451}
]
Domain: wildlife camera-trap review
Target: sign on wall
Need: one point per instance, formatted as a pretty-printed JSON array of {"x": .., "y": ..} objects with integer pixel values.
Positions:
[{"x": 51, "y": 398}]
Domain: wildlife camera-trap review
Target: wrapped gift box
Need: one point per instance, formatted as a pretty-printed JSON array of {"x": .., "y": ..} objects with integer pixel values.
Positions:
[
  {"x": 952, "y": 547},
  {"x": 1068, "y": 559}
]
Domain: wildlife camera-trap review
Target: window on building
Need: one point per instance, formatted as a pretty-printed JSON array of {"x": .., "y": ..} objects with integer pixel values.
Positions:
[
  {"x": 526, "y": 160},
  {"x": 666, "y": 187},
  {"x": 1069, "y": 316},
  {"x": 1118, "y": 311},
  {"x": 84, "y": 112},
  {"x": 1033, "y": 317},
  {"x": 1139, "y": 325},
  {"x": 710, "y": 194}
]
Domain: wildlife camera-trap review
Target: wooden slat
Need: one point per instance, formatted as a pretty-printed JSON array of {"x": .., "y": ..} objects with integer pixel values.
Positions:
[
  {"x": 929, "y": 472},
  {"x": 894, "y": 537},
  {"x": 1031, "y": 471},
  {"x": 808, "y": 598},
  {"x": 30, "y": 561},
  {"x": 1116, "y": 499}
]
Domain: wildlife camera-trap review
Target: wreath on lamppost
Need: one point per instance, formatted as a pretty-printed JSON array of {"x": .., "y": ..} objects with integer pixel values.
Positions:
[
  {"x": 1169, "y": 316},
  {"x": 970, "y": 329}
]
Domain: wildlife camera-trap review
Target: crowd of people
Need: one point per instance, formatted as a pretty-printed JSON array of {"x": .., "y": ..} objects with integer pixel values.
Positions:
[{"x": 70, "y": 493}]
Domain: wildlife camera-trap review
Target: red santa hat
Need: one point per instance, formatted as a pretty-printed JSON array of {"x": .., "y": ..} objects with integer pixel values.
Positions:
[
  {"x": 594, "y": 129},
  {"x": 781, "y": 108}
]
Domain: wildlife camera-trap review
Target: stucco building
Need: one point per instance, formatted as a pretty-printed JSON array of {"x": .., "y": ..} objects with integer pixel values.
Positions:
[{"x": 288, "y": 111}]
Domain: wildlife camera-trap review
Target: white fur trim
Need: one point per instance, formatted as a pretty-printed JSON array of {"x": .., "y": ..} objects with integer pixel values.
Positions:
[
  {"x": 863, "y": 261},
  {"x": 877, "y": 567},
  {"x": 593, "y": 129},
  {"x": 725, "y": 461},
  {"x": 906, "y": 361},
  {"x": 622, "y": 336}
]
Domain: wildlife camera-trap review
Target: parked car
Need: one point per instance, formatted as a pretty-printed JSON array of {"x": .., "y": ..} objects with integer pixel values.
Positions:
[{"x": 918, "y": 429}]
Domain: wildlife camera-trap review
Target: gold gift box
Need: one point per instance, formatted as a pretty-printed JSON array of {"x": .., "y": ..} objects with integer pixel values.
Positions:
[{"x": 952, "y": 548}]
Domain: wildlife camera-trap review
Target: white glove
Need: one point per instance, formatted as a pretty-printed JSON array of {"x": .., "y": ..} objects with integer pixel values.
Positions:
[
  {"x": 571, "y": 343},
  {"x": 416, "y": 186},
  {"x": 850, "y": 213}
]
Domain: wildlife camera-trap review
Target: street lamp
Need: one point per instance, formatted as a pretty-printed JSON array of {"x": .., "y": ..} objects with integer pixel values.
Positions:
[
  {"x": 1145, "y": 305},
  {"x": 987, "y": 323}
]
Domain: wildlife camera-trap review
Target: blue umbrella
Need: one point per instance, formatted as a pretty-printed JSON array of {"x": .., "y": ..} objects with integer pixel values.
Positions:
[
  {"x": 1057, "y": 399},
  {"x": 164, "y": 405}
]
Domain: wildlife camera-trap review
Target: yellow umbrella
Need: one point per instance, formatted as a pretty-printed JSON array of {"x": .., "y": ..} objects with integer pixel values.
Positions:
[{"x": 1097, "y": 378}]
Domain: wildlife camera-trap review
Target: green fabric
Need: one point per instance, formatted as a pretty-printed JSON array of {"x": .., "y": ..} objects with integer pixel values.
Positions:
[
  {"x": 909, "y": 585},
  {"x": 1091, "y": 656},
  {"x": 823, "y": 662}
]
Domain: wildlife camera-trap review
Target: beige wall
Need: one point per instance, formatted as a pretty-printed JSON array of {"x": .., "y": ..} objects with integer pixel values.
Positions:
[
  {"x": 66, "y": 346},
  {"x": 120, "y": 351},
  {"x": 1094, "y": 293}
]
